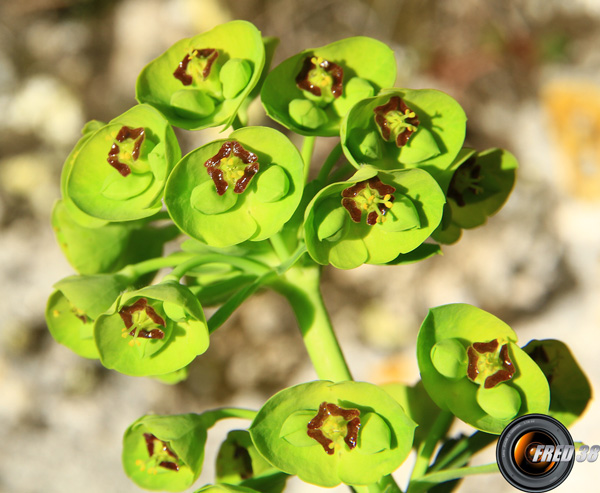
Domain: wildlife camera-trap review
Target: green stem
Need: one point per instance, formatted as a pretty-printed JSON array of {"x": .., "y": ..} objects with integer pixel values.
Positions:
[
  {"x": 341, "y": 173},
  {"x": 308, "y": 145},
  {"x": 137, "y": 270},
  {"x": 245, "y": 264},
  {"x": 427, "y": 447},
  {"x": 329, "y": 163},
  {"x": 463, "y": 450},
  {"x": 300, "y": 285},
  {"x": 212, "y": 416},
  {"x": 434, "y": 478}
]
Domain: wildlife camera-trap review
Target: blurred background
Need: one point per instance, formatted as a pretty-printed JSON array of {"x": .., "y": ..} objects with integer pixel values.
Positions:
[{"x": 526, "y": 72}]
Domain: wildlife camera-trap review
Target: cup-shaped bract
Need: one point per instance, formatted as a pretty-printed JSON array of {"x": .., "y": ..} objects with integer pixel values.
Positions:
[
  {"x": 152, "y": 331},
  {"x": 239, "y": 463},
  {"x": 477, "y": 185},
  {"x": 164, "y": 453},
  {"x": 201, "y": 82},
  {"x": 310, "y": 92},
  {"x": 74, "y": 306},
  {"x": 108, "y": 247},
  {"x": 373, "y": 217},
  {"x": 570, "y": 389},
  {"x": 330, "y": 433},
  {"x": 471, "y": 365},
  {"x": 404, "y": 128},
  {"x": 243, "y": 188},
  {"x": 120, "y": 170}
]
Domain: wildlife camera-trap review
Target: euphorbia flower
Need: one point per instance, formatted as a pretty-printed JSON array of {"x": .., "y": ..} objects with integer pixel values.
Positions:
[
  {"x": 477, "y": 186},
  {"x": 404, "y": 128},
  {"x": 202, "y": 81},
  {"x": 243, "y": 188},
  {"x": 471, "y": 365},
  {"x": 569, "y": 387},
  {"x": 373, "y": 217},
  {"x": 165, "y": 452},
  {"x": 311, "y": 91},
  {"x": 152, "y": 331},
  {"x": 120, "y": 171},
  {"x": 328, "y": 433},
  {"x": 77, "y": 302}
]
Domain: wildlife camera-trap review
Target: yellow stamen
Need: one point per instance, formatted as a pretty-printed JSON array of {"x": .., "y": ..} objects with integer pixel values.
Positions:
[
  {"x": 55, "y": 313},
  {"x": 388, "y": 204},
  {"x": 365, "y": 206},
  {"x": 386, "y": 196},
  {"x": 132, "y": 342}
]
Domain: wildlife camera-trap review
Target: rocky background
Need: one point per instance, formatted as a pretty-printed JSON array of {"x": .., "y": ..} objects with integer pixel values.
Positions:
[{"x": 528, "y": 75}]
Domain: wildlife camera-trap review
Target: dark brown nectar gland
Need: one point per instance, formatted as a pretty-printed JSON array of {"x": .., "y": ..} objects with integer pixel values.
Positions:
[
  {"x": 232, "y": 164},
  {"x": 325, "y": 428},
  {"x": 371, "y": 196},
  {"x": 489, "y": 365},
  {"x": 206, "y": 56},
  {"x": 160, "y": 455},
  {"x": 116, "y": 155},
  {"x": 318, "y": 74},
  {"x": 466, "y": 178},
  {"x": 145, "y": 323},
  {"x": 396, "y": 121}
]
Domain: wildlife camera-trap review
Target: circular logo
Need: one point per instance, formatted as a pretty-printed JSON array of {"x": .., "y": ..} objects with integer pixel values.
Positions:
[{"x": 535, "y": 453}]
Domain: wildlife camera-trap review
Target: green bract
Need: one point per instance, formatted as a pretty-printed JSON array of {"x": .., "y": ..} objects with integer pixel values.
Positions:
[
  {"x": 152, "y": 331},
  {"x": 119, "y": 171},
  {"x": 108, "y": 247},
  {"x": 239, "y": 463},
  {"x": 477, "y": 186},
  {"x": 76, "y": 303},
  {"x": 164, "y": 452},
  {"x": 470, "y": 365},
  {"x": 417, "y": 405},
  {"x": 404, "y": 128},
  {"x": 201, "y": 82},
  {"x": 242, "y": 188},
  {"x": 351, "y": 223},
  {"x": 569, "y": 387},
  {"x": 342, "y": 73},
  {"x": 328, "y": 433}
]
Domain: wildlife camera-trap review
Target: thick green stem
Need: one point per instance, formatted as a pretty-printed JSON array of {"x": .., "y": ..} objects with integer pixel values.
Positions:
[
  {"x": 427, "y": 447},
  {"x": 308, "y": 146},
  {"x": 300, "y": 285}
]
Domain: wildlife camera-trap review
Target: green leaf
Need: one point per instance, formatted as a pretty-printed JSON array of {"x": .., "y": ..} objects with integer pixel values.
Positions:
[
  {"x": 333, "y": 237},
  {"x": 368, "y": 65},
  {"x": 98, "y": 189},
  {"x": 257, "y": 213},
  {"x": 185, "y": 437},
  {"x": 215, "y": 99},
  {"x": 570, "y": 389},
  {"x": 470, "y": 325},
  {"x": 432, "y": 147},
  {"x": 384, "y": 426}
]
